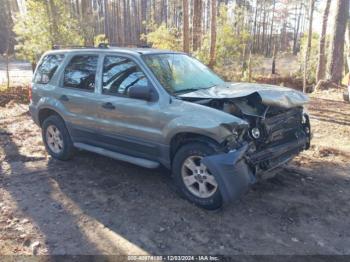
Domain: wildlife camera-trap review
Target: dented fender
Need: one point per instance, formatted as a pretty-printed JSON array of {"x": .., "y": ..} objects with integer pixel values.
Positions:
[{"x": 231, "y": 172}]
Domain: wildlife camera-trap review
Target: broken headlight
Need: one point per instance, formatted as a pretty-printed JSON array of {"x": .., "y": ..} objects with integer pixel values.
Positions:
[
  {"x": 233, "y": 141},
  {"x": 255, "y": 132}
]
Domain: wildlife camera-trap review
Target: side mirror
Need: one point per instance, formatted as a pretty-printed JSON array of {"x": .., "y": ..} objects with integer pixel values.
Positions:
[{"x": 141, "y": 92}]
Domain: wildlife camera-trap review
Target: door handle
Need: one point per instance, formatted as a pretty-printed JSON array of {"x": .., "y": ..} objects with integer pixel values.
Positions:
[
  {"x": 64, "y": 98},
  {"x": 108, "y": 105}
]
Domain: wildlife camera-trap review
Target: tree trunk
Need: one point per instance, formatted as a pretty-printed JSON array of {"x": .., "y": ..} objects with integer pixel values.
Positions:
[
  {"x": 263, "y": 29},
  {"x": 120, "y": 24},
  {"x": 321, "y": 67},
  {"x": 143, "y": 16},
  {"x": 154, "y": 15},
  {"x": 336, "y": 63},
  {"x": 250, "y": 66},
  {"x": 273, "y": 68},
  {"x": 106, "y": 18},
  {"x": 164, "y": 12},
  {"x": 86, "y": 18},
  {"x": 347, "y": 41},
  {"x": 296, "y": 31},
  {"x": 51, "y": 9},
  {"x": 197, "y": 24},
  {"x": 255, "y": 25},
  {"x": 186, "y": 29},
  {"x": 308, "y": 48},
  {"x": 213, "y": 35},
  {"x": 269, "y": 46},
  {"x": 7, "y": 68}
]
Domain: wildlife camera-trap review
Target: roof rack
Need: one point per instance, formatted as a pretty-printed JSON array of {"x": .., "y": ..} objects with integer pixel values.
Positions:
[
  {"x": 107, "y": 45},
  {"x": 55, "y": 47}
]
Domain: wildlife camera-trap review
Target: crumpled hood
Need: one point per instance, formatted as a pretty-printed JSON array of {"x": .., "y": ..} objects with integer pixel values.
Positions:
[{"x": 269, "y": 94}]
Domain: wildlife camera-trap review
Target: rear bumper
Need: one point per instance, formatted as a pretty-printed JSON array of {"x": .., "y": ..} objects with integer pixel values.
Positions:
[
  {"x": 34, "y": 114},
  {"x": 237, "y": 170}
]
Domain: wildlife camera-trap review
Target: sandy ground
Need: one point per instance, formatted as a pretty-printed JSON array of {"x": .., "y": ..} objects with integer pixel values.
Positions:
[{"x": 96, "y": 205}]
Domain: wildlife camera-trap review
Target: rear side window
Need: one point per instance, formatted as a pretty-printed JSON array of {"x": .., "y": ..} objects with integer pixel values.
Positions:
[
  {"x": 47, "y": 68},
  {"x": 80, "y": 73}
]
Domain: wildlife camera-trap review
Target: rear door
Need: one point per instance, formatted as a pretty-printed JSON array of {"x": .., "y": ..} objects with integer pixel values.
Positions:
[{"x": 77, "y": 94}]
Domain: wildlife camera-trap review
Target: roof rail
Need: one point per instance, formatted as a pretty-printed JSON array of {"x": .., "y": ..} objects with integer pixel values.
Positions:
[
  {"x": 56, "y": 47},
  {"x": 100, "y": 45},
  {"x": 144, "y": 46},
  {"x": 107, "y": 45},
  {"x": 103, "y": 45}
]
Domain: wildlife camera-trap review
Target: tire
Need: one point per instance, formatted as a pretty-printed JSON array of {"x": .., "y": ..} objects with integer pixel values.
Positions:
[
  {"x": 63, "y": 148},
  {"x": 186, "y": 156}
]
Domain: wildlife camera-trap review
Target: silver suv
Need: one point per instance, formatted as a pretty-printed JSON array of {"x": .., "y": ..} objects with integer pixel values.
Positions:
[{"x": 151, "y": 107}]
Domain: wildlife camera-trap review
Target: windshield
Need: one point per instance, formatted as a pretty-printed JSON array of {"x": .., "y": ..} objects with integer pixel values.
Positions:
[{"x": 180, "y": 73}]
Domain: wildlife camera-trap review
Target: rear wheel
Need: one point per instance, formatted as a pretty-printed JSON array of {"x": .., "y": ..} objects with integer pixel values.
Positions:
[
  {"x": 56, "y": 138},
  {"x": 193, "y": 179}
]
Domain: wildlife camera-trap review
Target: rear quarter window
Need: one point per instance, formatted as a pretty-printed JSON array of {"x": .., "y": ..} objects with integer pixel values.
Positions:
[
  {"x": 47, "y": 68},
  {"x": 80, "y": 73}
]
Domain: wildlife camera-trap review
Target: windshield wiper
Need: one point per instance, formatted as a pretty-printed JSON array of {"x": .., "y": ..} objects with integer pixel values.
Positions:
[
  {"x": 189, "y": 90},
  {"x": 184, "y": 91}
]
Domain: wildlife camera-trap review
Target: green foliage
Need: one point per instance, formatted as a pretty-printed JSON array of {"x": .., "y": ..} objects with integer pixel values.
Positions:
[
  {"x": 312, "y": 65},
  {"x": 37, "y": 32},
  {"x": 100, "y": 39},
  {"x": 234, "y": 72},
  {"x": 230, "y": 44},
  {"x": 163, "y": 38}
]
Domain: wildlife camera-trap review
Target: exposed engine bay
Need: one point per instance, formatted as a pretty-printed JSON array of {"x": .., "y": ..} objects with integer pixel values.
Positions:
[{"x": 275, "y": 134}]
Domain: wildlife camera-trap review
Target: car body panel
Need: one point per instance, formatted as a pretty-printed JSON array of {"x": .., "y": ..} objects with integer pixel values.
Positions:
[{"x": 193, "y": 118}]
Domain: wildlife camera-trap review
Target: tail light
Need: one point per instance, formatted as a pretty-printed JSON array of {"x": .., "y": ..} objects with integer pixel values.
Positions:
[{"x": 30, "y": 92}]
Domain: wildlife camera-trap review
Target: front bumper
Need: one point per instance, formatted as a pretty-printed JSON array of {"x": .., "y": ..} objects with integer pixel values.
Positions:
[{"x": 237, "y": 170}]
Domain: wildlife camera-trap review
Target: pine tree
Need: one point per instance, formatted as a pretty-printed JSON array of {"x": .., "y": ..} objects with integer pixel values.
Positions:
[
  {"x": 213, "y": 35},
  {"x": 186, "y": 30},
  {"x": 336, "y": 62}
]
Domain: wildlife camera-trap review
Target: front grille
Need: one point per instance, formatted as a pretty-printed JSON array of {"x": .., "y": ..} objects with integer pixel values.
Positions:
[
  {"x": 283, "y": 136},
  {"x": 282, "y": 126}
]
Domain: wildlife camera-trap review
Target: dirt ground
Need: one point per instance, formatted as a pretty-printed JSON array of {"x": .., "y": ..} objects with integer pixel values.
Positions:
[{"x": 96, "y": 205}]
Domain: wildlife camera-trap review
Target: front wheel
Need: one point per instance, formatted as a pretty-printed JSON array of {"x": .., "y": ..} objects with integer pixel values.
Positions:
[{"x": 193, "y": 179}]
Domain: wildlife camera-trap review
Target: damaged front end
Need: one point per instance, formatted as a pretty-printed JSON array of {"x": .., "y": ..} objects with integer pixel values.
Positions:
[{"x": 275, "y": 135}]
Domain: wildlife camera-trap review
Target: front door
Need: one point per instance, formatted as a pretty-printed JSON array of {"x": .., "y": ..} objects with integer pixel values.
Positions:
[{"x": 129, "y": 126}]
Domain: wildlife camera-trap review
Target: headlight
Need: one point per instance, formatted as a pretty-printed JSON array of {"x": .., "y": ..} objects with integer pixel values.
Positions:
[{"x": 255, "y": 132}]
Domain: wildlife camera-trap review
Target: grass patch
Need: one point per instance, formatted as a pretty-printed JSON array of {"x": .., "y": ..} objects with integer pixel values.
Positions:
[{"x": 3, "y": 87}]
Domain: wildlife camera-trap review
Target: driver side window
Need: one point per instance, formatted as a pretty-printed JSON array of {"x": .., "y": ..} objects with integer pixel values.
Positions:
[{"x": 119, "y": 74}]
